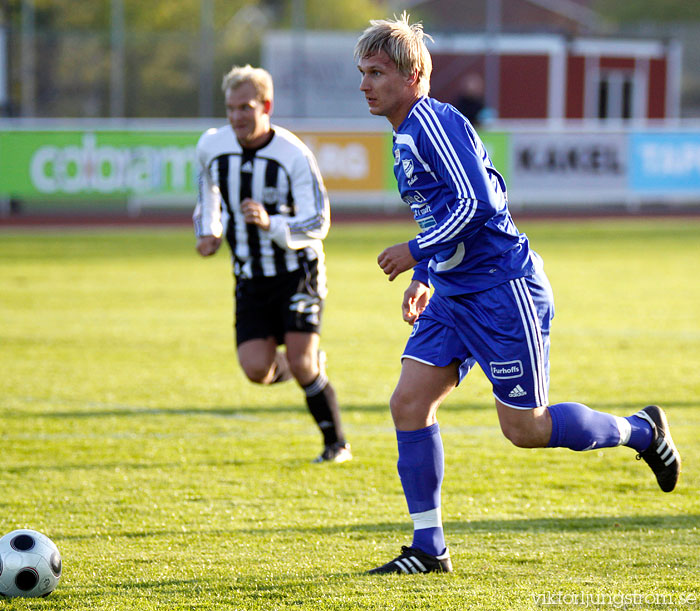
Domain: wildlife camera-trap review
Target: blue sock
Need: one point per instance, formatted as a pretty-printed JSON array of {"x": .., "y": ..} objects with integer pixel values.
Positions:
[
  {"x": 421, "y": 468},
  {"x": 578, "y": 427},
  {"x": 641, "y": 433}
]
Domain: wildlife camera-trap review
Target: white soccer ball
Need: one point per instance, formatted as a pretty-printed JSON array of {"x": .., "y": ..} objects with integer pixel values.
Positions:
[{"x": 30, "y": 564}]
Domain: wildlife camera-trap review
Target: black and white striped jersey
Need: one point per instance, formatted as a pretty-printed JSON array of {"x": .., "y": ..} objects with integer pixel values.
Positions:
[{"x": 282, "y": 175}]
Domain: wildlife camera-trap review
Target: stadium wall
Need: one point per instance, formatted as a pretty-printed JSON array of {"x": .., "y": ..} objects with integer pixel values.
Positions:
[{"x": 148, "y": 163}]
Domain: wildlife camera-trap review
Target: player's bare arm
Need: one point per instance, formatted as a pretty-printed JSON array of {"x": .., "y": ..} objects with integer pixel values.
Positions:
[
  {"x": 396, "y": 259},
  {"x": 207, "y": 245},
  {"x": 255, "y": 214},
  {"x": 415, "y": 300}
]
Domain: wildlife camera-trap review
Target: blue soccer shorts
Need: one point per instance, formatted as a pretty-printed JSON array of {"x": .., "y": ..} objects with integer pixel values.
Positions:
[{"x": 504, "y": 329}]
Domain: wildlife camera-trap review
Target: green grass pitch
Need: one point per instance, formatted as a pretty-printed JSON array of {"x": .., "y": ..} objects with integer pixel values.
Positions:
[{"x": 130, "y": 437}]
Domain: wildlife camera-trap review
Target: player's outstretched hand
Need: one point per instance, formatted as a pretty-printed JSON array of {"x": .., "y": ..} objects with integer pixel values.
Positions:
[
  {"x": 207, "y": 245},
  {"x": 415, "y": 300},
  {"x": 396, "y": 260}
]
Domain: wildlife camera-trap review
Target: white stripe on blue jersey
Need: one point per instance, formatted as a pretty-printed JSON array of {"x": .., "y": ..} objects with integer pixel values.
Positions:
[
  {"x": 452, "y": 227},
  {"x": 444, "y": 148}
]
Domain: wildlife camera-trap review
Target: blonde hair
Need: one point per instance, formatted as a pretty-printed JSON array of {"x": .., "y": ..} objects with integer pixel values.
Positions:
[
  {"x": 403, "y": 42},
  {"x": 258, "y": 77}
]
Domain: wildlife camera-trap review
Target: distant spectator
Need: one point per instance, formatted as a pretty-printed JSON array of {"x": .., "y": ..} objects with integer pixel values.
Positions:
[{"x": 471, "y": 99}]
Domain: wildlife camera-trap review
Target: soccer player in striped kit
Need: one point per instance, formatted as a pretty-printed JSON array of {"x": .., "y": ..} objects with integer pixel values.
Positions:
[
  {"x": 491, "y": 302},
  {"x": 260, "y": 188}
]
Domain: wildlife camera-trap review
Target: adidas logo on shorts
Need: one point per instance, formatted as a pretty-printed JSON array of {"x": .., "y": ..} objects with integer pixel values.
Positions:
[{"x": 517, "y": 392}]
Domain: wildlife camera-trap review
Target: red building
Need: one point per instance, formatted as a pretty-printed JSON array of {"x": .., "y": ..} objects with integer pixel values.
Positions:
[{"x": 550, "y": 76}]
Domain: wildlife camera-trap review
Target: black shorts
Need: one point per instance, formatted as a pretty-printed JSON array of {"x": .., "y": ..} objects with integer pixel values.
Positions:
[{"x": 270, "y": 307}]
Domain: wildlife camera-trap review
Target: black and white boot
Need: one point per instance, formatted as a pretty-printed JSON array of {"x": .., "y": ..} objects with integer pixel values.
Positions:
[
  {"x": 413, "y": 560},
  {"x": 661, "y": 455}
]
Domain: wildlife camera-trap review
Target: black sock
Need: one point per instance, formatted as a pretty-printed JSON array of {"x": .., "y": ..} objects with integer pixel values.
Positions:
[{"x": 323, "y": 405}]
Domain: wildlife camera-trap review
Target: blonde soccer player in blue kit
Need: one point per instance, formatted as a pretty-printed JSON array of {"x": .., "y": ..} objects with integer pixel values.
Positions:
[{"x": 491, "y": 302}]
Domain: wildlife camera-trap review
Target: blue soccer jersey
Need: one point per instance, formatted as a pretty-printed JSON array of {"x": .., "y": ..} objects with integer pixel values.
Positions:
[{"x": 468, "y": 241}]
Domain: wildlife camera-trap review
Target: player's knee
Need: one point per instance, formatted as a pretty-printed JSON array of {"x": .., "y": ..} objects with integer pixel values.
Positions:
[
  {"x": 407, "y": 413},
  {"x": 525, "y": 428},
  {"x": 257, "y": 372},
  {"x": 399, "y": 403},
  {"x": 521, "y": 436},
  {"x": 303, "y": 367},
  {"x": 518, "y": 438}
]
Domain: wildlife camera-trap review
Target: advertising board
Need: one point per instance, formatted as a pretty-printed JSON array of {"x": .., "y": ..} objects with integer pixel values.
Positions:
[
  {"x": 96, "y": 164},
  {"x": 665, "y": 163},
  {"x": 577, "y": 167}
]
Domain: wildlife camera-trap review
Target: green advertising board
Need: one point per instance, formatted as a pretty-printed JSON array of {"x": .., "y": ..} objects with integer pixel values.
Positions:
[
  {"x": 497, "y": 145},
  {"x": 97, "y": 164}
]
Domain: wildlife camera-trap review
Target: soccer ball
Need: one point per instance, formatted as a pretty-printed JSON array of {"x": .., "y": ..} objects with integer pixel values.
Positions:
[{"x": 30, "y": 564}]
